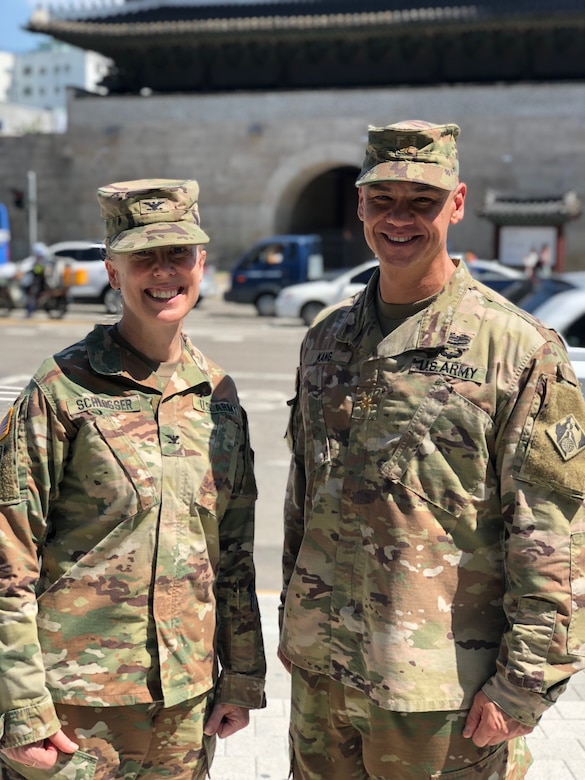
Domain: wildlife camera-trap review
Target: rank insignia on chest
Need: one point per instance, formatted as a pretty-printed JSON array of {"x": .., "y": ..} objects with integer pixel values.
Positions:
[{"x": 567, "y": 436}]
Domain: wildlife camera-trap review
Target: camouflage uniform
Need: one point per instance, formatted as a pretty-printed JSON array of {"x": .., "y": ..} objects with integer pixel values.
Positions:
[
  {"x": 434, "y": 522},
  {"x": 126, "y": 533}
]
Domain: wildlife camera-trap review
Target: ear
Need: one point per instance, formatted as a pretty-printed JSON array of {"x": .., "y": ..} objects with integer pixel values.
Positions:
[
  {"x": 360, "y": 208},
  {"x": 112, "y": 274},
  {"x": 458, "y": 209},
  {"x": 202, "y": 254}
]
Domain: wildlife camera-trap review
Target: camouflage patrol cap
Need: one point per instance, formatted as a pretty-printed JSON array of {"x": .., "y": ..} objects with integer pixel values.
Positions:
[
  {"x": 149, "y": 213},
  {"x": 414, "y": 151}
]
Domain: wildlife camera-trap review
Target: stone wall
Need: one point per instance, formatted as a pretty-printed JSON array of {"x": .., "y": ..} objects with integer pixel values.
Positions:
[{"x": 253, "y": 154}]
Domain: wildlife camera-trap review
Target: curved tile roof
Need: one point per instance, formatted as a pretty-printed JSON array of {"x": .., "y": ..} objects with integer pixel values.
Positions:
[
  {"x": 514, "y": 210},
  {"x": 168, "y": 11}
]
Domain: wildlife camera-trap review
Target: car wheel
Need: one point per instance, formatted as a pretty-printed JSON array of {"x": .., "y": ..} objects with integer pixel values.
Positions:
[
  {"x": 113, "y": 301},
  {"x": 310, "y": 311},
  {"x": 264, "y": 304}
]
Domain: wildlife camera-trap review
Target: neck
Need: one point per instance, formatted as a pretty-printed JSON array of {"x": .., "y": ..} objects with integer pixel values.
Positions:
[
  {"x": 164, "y": 345},
  {"x": 410, "y": 286}
]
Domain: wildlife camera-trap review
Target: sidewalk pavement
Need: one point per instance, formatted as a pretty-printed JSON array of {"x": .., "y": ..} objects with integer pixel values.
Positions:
[{"x": 260, "y": 752}]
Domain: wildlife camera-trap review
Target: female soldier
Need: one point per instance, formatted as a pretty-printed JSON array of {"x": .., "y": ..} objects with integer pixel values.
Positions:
[{"x": 126, "y": 528}]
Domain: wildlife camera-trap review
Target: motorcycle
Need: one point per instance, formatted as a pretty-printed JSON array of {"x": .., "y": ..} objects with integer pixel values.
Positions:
[{"x": 53, "y": 301}]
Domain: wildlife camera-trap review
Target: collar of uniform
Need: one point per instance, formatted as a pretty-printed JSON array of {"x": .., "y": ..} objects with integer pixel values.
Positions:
[
  {"x": 435, "y": 321},
  {"x": 107, "y": 357}
]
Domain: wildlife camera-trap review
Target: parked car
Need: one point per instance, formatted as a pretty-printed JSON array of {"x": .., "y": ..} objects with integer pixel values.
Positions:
[
  {"x": 494, "y": 274},
  {"x": 565, "y": 312},
  {"x": 577, "y": 356},
  {"x": 306, "y": 300},
  {"x": 530, "y": 293}
]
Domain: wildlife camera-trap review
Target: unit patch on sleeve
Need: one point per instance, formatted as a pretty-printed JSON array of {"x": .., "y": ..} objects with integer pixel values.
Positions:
[
  {"x": 8, "y": 468},
  {"x": 5, "y": 424},
  {"x": 555, "y": 441},
  {"x": 567, "y": 436}
]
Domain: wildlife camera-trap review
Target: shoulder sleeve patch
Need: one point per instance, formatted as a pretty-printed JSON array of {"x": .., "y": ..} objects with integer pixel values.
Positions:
[
  {"x": 5, "y": 424},
  {"x": 567, "y": 436},
  {"x": 8, "y": 477},
  {"x": 555, "y": 455}
]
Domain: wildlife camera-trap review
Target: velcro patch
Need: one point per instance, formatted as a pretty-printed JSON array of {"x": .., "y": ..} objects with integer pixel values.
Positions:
[
  {"x": 567, "y": 436},
  {"x": 554, "y": 453},
  {"x": 5, "y": 424}
]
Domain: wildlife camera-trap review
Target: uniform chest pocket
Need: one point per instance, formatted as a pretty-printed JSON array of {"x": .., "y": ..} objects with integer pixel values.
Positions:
[
  {"x": 442, "y": 455},
  {"x": 327, "y": 403},
  {"x": 122, "y": 470}
]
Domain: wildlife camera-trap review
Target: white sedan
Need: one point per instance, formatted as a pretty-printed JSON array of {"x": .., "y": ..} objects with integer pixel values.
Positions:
[
  {"x": 565, "y": 312},
  {"x": 306, "y": 300}
]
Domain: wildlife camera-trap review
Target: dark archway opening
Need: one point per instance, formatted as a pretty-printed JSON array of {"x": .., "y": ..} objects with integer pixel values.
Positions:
[{"x": 328, "y": 206}]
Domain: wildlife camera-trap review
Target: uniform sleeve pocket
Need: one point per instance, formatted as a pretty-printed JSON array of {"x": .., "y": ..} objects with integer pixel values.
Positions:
[
  {"x": 576, "y": 637},
  {"x": 532, "y": 633}
]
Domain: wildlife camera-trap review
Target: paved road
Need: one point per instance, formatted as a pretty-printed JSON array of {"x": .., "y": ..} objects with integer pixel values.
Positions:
[{"x": 261, "y": 355}]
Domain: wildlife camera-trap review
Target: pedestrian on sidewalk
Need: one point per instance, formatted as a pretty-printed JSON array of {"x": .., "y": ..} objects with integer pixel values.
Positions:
[
  {"x": 434, "y": 558},
  {"x": 36, "y": 278},
  {"x": 129, "y": 626}
]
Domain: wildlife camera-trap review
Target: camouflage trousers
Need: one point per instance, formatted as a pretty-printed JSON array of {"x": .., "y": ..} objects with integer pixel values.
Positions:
[
  {"x": 337, "y": 733},
  {"x": 139, "y": 742}
]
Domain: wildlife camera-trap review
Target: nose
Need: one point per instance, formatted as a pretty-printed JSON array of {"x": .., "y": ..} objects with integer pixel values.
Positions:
[
  {"x": 399, "y": 213},
  {"x": 163, "y": 262}
]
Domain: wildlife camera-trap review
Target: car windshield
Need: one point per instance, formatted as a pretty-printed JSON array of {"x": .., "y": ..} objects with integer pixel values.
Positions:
[{"x": 540, "y": 291}]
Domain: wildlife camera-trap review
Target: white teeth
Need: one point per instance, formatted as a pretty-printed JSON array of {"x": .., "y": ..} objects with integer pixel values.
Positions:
[
  {"x": 400, "y": 240},
  {"x": 164, "y": 294}
]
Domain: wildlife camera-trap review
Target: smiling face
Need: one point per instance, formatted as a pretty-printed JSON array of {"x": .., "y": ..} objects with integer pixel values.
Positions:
[
  {"x": 406, "y": 225},
  {"x": 159, "y": 286}
]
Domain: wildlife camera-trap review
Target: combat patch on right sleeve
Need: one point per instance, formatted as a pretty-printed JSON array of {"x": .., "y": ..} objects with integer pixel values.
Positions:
[
  {"x": 8, "y": 471},
  {"x": 555, "y": 455}
]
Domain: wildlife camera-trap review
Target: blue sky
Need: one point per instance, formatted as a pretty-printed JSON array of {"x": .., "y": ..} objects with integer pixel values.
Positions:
[{"x": 14, "y": 14}]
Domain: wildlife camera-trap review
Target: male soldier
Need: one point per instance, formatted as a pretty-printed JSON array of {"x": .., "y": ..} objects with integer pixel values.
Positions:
[{"x": 434, "y": 524}]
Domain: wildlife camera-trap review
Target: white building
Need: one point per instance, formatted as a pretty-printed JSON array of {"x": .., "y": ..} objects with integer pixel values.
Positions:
[
  {"x": 6, "y": 71},
  {"x": 34, "y": 85},
  {"x": 40, "y": 78}
]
